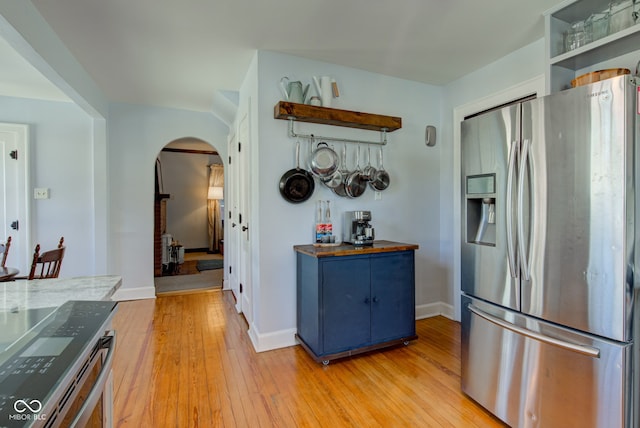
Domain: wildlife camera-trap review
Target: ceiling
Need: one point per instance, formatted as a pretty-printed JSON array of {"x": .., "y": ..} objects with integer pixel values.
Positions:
[{"x": 182, "y": 53}]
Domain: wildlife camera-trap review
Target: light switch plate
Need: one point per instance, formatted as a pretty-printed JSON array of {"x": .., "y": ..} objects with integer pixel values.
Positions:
[{"x": 41, "y": 193}]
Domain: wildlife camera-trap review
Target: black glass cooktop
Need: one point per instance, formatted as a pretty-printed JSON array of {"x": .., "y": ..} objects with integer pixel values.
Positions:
[
  {"x": 17, "y": 323},
  {"x": 34, "y": 365}
]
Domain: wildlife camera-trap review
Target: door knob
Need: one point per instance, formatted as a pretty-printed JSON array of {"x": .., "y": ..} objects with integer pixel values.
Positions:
[{"x": 245, "y": 228}]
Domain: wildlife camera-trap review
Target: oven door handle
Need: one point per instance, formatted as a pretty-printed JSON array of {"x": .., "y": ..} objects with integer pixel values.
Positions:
[{"x": 106, "y": 342}]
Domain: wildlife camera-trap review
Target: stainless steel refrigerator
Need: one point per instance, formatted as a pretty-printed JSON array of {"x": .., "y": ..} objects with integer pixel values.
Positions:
[{"x": 550, "y": 299}]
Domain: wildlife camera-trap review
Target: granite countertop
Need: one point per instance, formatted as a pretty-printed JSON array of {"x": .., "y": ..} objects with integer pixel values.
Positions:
[
  {"x": 352, "y": 250},
  {"x": 47, "y": 293}
]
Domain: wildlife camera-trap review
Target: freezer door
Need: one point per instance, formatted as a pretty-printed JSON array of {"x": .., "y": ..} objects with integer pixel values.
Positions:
[
  {"x": 534, "y": 374},
  {"x": 489, "y": 265},
  {"x": 578, "y": 270}
]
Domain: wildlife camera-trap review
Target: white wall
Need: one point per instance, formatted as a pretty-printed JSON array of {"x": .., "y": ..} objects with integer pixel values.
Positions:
[
  {"x": 136, "y": 136},
  {"x": 408, "y": 211},
  {"x": 61, "y": 144}
]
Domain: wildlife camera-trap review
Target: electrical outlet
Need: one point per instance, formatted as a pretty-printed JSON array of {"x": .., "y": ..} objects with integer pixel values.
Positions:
[{"x": 41, "y": 193}]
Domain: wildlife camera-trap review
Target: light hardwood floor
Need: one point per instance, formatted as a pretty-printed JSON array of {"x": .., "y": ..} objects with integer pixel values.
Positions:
[
  {"x": 186, "y": 361},
  {"x": 196, "y": 282}
]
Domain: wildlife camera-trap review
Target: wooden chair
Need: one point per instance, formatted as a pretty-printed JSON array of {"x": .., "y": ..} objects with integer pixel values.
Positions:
[
  {"x": 47, "y": 264},
  {"x": 4, "y": 251}
]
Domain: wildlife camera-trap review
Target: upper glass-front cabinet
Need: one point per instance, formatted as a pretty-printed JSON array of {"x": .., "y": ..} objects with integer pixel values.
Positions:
[{"x": 588, "y": 35}]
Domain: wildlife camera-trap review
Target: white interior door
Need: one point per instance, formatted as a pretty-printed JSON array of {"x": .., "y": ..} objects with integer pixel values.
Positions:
[
  {"x": 232, "y": 249},
  {"x": 14, "y": 193},
  {"x": 244, "y": 270}
]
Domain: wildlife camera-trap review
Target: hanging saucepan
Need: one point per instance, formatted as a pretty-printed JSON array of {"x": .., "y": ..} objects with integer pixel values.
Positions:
[
  {"x": 381, "y": 178},
  {"x": 323, "y": 162},
  {"x": 297, "y": 184},
  {"x": 335, "y": 179},
  {"x": 369, "y": 171},
  {"x": 340, "y": 189},
  {"x": 356, "y": 184}
]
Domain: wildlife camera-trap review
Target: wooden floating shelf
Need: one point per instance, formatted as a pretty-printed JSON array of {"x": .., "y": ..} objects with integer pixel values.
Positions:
[{"x": 331, "y": 116}]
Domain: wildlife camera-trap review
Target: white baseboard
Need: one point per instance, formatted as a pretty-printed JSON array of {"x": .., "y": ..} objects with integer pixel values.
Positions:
[
  {"x": 138, "y": 293},
  {"x": 270, "y": 341},
  {"x": 285, "y": 338},
  {"x": 435, "y": 309}
]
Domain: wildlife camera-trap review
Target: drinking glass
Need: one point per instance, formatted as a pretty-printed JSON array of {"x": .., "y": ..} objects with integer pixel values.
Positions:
[
  {"x": 621, "y": 15},
  {"x": 576, "y": 36},
  {"x": 598, "y": 25}
]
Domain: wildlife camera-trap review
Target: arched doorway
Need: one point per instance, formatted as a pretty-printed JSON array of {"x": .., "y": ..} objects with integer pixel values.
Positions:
[{"x": 187, "y": 233}]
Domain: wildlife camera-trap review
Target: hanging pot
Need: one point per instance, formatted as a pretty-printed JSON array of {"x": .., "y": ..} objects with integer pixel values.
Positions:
[
  {"x": 369, "y": 171},
  {"x": 323, "y": 162},
  {"x": 356, "y": 184},
  {"x": 334, "y": 180},
  {"x": 297, "y": 185},
  {"x": 340, "y": 189},
  {"x": 381, "y": 178},
  {"x": 337, "y": 178}
]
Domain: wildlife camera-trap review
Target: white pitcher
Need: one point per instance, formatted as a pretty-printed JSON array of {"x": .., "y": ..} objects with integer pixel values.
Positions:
[{"x": 323, "y": 86}]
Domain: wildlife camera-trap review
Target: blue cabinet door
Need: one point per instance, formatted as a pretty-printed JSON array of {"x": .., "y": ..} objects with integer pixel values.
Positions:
[
  {"x": 392, "y": 296},
  {"x": 346, "y": 304}
]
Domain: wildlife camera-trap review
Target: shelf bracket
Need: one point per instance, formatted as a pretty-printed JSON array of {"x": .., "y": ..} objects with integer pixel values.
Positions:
[{"x": 292, "y": 134}]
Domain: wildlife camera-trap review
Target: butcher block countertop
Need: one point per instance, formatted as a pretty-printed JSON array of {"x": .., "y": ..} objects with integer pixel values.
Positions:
[{"x": 351, "y": 250}]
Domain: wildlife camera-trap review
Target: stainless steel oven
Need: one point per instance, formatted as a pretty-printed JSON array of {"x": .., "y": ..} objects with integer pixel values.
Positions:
[{"x": 58, "y": 374}]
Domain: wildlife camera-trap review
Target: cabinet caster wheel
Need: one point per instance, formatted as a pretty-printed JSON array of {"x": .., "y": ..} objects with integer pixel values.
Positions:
[
  {"x": 406, "y": 343},
  {"x": 325, "y": 362}
]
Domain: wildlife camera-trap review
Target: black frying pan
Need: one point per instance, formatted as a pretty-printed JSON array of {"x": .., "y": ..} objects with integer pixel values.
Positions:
[{"x": 297, "y": 184}]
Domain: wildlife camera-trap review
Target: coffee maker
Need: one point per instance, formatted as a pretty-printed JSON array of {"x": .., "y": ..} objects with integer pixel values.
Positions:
[{"x": 357, "y": 229}]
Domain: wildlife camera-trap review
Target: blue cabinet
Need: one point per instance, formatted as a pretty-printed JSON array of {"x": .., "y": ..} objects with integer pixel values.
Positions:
[{"x": 355, "y": 303}]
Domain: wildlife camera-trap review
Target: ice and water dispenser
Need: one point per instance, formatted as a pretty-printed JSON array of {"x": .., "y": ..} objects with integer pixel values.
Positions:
[{"x": 481, "y": 209}]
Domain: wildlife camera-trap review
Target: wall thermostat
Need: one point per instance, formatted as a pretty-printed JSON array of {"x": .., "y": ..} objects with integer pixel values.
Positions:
[{"x": 430, "y": 136}]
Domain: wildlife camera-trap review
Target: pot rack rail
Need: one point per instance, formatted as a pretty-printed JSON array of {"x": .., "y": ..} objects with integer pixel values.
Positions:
[
  {"x": 329, "y": 116},
  {"x": 314, "y": 137}
]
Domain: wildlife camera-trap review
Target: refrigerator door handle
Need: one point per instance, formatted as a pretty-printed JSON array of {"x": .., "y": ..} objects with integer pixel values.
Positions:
[
  {"x": 511, "y": 251},
  {"x": 581, "y": 349},
  {"x": 524, "y": 157}
]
